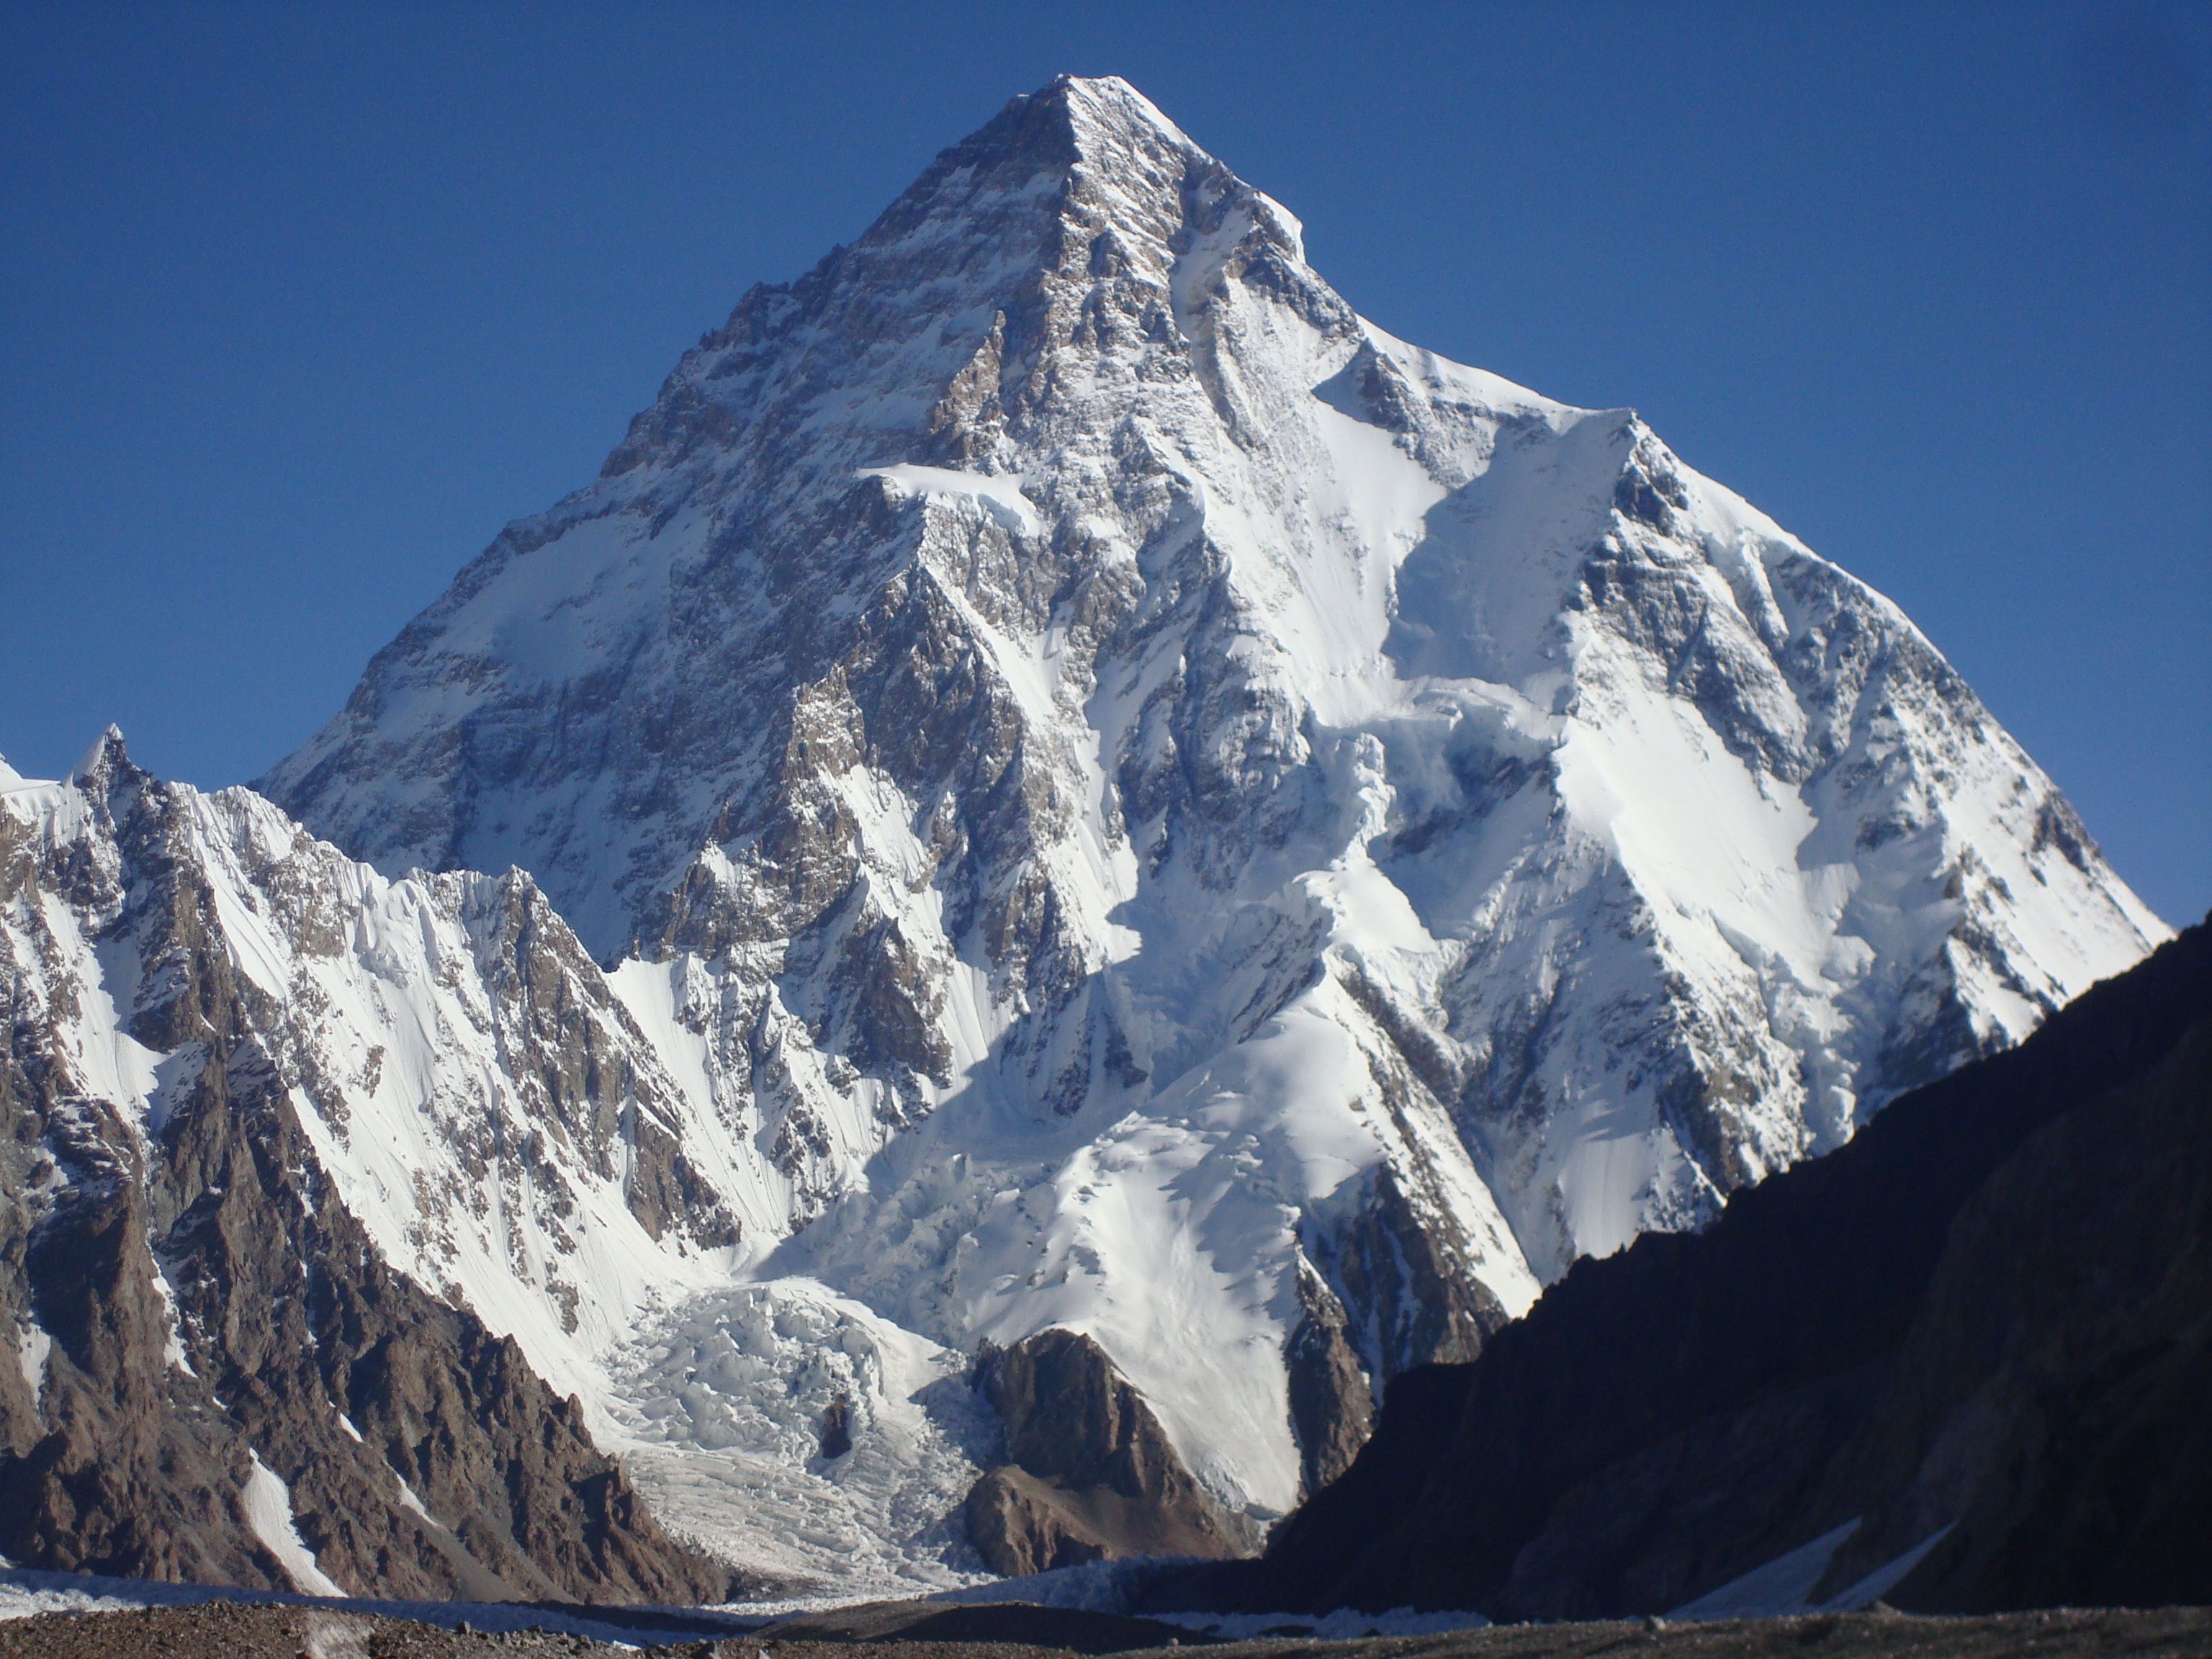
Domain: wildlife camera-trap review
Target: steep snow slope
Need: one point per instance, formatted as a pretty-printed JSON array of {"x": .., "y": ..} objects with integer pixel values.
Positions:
[{"x": 1123, "y": 796}]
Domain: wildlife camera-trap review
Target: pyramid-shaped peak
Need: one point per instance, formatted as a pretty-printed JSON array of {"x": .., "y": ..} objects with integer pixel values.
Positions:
[
  {"x": 1073, "y": 119},
  {"x": 1049, "y": 702},
  {"x": 1094, "y": 147},
  {"x": 107, "y": 752},
  {"x": 1106, "y": 104}
]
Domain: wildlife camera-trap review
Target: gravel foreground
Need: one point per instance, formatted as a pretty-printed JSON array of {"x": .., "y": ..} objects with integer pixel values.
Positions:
[{"x": 236, "y": 1630}]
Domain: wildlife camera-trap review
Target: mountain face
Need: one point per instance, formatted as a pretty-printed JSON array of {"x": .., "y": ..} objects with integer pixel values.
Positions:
[
  {"x": 227, "y": 1369},
  {"x": 1960, "y": 1365},
  {"x": 1069, "y": 783},
  {"x": 1130, "y": 800}
]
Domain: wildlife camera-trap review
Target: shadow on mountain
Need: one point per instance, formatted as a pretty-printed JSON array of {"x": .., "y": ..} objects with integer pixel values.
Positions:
[{"x": 1966, "y": 1356}]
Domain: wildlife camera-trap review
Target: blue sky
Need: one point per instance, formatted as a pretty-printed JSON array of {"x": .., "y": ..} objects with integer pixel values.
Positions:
[{"x": 298, "y": 305}]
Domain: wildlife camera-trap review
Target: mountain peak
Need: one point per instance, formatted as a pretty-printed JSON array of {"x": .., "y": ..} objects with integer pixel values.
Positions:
[
  {"x": 1108, "y": 104},
  {"x": 107, "y": 754},
  {"x": 1077, "y": 739},
  {"x": 1088, "y": 114},
  {"x": 1078, "y": 220},
  {"x": 1119, "y": 163},
  {"x": 1100, "y": 127}
]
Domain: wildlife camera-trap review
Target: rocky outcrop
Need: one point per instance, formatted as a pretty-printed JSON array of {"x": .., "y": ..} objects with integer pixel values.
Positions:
[
  {"x": 1973, "y": 1343},
  {"x": 1021, "y": 1524},
  {"x": 1332, "y": 1401},
  {"x": 1089, "y": 1474},
  {"x": 837, "y": 1427},
  {"x": 222, "y": 1378}
]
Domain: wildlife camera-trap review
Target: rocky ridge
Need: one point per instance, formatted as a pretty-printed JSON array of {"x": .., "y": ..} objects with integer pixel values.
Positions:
[
  {"x": 1089, "y": 1475},
  {"x": 221, "y": 1376}
]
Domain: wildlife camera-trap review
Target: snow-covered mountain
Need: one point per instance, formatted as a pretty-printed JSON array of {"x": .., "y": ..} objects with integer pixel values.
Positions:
[
  {"x": 1095, "y": 789},
  {"x": 289, "y": 1156}
]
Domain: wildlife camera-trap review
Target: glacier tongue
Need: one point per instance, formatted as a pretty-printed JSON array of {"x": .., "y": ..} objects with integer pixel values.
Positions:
[
  {"x": 723, "y": 1402},
  {"x": 1116, "y": 792}
]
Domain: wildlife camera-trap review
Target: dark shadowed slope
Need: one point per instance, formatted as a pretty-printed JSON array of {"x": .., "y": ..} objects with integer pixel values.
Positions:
[{"x": 1989, "y": 1313}]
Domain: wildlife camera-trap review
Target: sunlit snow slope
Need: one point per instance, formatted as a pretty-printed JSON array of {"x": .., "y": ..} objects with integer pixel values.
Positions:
[{"x": 1114, "y": 793}]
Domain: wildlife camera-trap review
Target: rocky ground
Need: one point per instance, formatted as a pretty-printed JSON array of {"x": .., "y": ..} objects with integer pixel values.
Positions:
[{"x": 232, "y": 1631}]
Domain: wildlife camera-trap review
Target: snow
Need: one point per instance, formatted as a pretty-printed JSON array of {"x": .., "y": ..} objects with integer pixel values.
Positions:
[
  {"x": 89, "y": 762},
  {"x": 269, "y": 1512},
  {"x": 1783, "y": 1587},
  {"x": 722, "y": 1412},
  {"x": 172, "y": 1342},
  {"x": 1169, "y": 1238},
  {"x": 1002, "y": 493},
  {"x": 32, "y": 1345},
  {"x": 109, "y": 1063},
  {"x": 17, "y": 1602},
  {"x": 407, "y": 1497}
]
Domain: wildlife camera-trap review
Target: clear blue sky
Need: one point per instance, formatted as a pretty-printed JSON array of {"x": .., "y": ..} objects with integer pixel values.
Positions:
[{"x": 298, "y": 305}]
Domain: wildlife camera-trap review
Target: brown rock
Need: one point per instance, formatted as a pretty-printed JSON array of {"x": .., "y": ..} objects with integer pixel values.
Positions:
[
  {"x": 1090, "y": 1474},
  {"x": 1332, "y": 1404},
  {"x": 1024, "y": 1525}
]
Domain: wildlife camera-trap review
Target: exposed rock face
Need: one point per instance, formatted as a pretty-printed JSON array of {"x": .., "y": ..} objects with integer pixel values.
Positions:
[
  {"x": 837, "y": 1427},
  {"x": 1972, "y": 1343},
  {"x": 1119, "y": 784},
  {"x": 1020, "y": 1524},
  {"x": 1332, "y": 1405},
  {"x": 1089, "y": 1475},
  {"x": 221, "y": 1376},
  {"x": 2048, "y": 1406}
]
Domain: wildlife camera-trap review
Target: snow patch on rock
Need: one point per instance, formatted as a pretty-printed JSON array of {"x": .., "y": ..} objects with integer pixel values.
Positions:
[{"x": 268, "y": 1511}]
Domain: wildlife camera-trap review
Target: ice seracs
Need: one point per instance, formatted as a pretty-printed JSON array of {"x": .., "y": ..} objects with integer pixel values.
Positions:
[{"x": 1095, "y": 787}]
